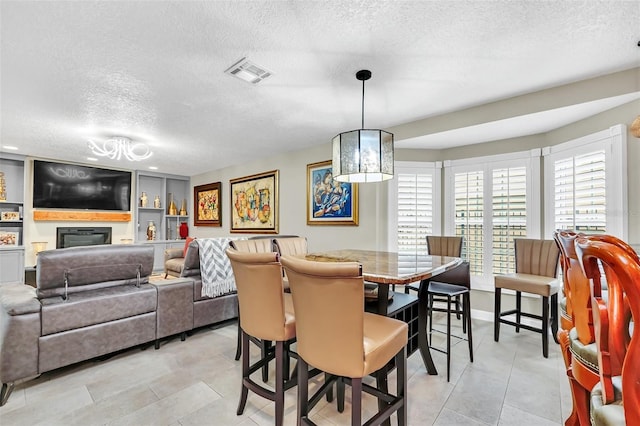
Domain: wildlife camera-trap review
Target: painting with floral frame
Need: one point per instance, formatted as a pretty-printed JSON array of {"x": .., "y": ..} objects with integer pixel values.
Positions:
[
  {"x": 330, "y": 202},
  {"x": 207, "y": 200}
]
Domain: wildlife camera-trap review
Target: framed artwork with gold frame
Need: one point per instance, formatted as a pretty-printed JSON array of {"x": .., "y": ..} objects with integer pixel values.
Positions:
[
  {"x": 207, "y": 200},
  {"x": 254, "y": 203},
  {"x": 330, "y": 202}
]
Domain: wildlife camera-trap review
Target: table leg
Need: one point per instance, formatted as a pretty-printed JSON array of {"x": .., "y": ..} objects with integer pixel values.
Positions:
[
  {"x": 423, "y": 344},
  {"x": 383, "y": 299}
]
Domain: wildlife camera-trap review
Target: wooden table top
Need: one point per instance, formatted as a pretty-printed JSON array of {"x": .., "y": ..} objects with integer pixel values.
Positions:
[{"x": 384, "y": 267}]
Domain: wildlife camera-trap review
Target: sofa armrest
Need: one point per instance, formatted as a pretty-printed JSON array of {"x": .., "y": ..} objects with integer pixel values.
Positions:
[
  {"x": 172, "y": 253},
  {"x": 19, "y": 332}
]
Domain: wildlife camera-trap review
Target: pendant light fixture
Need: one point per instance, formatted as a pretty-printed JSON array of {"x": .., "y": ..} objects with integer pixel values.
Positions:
[{"x": 364, "y": 155}]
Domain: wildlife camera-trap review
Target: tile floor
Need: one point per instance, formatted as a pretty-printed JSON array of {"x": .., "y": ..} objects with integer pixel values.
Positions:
[{"x": 197, "y": 382}]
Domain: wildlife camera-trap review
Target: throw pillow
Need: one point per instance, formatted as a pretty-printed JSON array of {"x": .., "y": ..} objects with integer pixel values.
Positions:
[{"x": 186, "y": 245}]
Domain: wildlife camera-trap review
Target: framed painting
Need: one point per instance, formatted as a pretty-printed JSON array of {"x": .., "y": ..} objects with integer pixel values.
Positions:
[
  {"x": 9, "y": 238},
  {"x": 254, "y": 203},
  {"x": 330, "y": 202},
  {"x": 207, "y": 200}
]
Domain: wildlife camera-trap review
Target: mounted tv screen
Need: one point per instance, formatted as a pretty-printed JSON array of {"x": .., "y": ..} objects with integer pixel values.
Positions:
[{"x": 70, "y": 186}]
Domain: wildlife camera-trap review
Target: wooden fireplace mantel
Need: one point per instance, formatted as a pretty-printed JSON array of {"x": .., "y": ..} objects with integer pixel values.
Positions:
[{"x": 84, "y": 216}]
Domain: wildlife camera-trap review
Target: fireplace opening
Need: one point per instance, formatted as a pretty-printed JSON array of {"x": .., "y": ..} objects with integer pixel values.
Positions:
[{"x": 82, "y": 236}]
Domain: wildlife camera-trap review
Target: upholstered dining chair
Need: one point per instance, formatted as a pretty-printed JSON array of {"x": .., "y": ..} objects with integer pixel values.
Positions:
[
  {"x": 447, "y": 288},
  {"x": 336, "y": 335},
  {"x": 267, "y": 314},
  {"x": 536, "y": 271},
  {"x": 290, "y": 246},
  {"x": 615, "y": 399},
  {"x": 253, "y": 245}
]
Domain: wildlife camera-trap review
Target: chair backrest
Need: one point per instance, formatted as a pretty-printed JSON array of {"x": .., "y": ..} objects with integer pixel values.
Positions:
[
  {"x": 537, "y": 257},
  {"x": 444, "y": 246},
  {"x": 290, "y": 246},
  {"x": 328, "y": 298},
  {"x": 260, "y": 293},
  {"x": 618, "y": 353},
  {"x": 577, "y": 288},
  {"x": 262, "y": 245}
]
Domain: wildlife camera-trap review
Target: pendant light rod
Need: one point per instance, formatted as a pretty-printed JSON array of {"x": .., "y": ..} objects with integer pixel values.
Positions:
[{"x": 363, "y": 75}]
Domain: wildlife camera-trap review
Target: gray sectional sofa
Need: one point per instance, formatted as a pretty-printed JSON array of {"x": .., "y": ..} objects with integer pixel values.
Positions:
[{"x": 92, "y": 301}]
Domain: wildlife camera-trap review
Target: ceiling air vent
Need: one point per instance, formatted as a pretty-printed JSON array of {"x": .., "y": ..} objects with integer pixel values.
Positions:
[{"x": 248, "y": 71}]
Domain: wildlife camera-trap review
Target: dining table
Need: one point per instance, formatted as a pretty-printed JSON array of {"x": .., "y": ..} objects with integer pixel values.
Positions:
[{"x": 386, "y": 269}]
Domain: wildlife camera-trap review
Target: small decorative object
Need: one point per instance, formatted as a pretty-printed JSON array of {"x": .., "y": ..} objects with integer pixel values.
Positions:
[
  {"x": 169, "y": 232},
  {"x": 183, "y": 208},
  {"x": 38, "y": 246},
  {"x": 151, "y": 231},
  {"x": 10, "y": 216},
  {"x": 144, "y": 201},
  {"x": 254, "y": 203},
  {"x": 330, "y": 202},
  {"x": 173, "y": 210},
  {"x": 635, "y": 131},
  {"x": 207, "y": 200},
  {"x": 9, "y": 238},
  {"x": 3, "y": 188},
  {"x": 184, "y": 230},
  {"x": 156, "y": 202},
  {"x": 126, "y": 241}
]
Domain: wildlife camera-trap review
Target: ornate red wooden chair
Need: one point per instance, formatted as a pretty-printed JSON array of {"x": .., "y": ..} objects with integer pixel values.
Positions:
[
  {"x": 578, "y": 344},
  {"x": 615, "y": 399}
]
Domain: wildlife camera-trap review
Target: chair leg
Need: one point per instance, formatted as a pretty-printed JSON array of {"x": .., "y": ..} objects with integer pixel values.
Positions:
[
  {"x": 518, "y": 310},
  {"x": 545, "y": 326},
  {"x": 340, "y": 395},
  {"x": 356, "y": 401},
  {"x": 303, "y": 390},
  {"x": 401, "y": 385},
  {"x": 466, "y": 300},
  {"x": 448, "y": 336},
  {"x": 554, "y": 317},
  {"x": 265, "y": 348},
  {"x": 244, "y": 393},
  {"x": 430, "y": 319},
  {"x": 279, "y": 391},
  {"x": 496, "y": 315},
  {"x": 239, "y": 344},
  {"x": 458, "y": 306}
]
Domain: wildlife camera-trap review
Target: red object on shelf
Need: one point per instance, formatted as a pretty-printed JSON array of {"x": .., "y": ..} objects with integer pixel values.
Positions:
[{"x": 184, "y": 230}]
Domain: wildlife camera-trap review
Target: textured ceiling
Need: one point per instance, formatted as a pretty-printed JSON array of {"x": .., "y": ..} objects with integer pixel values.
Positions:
[{"x": 154, "y": 71}]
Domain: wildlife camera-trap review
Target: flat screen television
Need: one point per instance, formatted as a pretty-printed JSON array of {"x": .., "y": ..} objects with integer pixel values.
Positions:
[{"x": 71, "y": 186}]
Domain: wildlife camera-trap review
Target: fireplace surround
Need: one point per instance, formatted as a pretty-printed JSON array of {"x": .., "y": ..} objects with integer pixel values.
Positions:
[{"x": 82, "y": 236}]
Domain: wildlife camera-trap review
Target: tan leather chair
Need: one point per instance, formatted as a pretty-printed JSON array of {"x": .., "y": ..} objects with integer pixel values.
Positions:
[
  {"x": 267, "y": 314},
  {"x": 536, "y": 272},
  {"x": 257, "y": 245},
  {"x": 615, "y": 399},
  {"x": 336, "y": 336},
  {"x": 290, "y": 246}
]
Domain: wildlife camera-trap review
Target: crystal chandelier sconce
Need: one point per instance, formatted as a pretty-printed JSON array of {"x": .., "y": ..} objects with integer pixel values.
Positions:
[
  {"x": 364, "y": 155},
  {"x": 118, "y": 147}
]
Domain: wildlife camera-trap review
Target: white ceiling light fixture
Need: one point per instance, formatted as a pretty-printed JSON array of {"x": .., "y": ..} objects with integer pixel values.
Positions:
[
  {"x": 247, "y": 71},
  {"x": 364, "y": 155},
  {"x": 117, "y": 147}
]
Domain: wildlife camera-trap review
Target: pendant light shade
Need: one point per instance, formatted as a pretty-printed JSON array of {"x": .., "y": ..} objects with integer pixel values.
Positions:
[{"x": 364, "y": 155}]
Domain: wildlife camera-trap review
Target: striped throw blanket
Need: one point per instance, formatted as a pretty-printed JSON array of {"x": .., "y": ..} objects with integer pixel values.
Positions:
[{"x": 215, "y": 267}]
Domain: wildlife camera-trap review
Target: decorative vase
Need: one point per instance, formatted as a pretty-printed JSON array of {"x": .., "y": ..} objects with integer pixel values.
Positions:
[
  {"x": 173, "y": 210},
  {"x": 156, "y": 202},
  {"x": 183, "y": 208},
  {"x": 144, "y": 201},
  {"x": 151, "y": 231},
  {"x": 184, "y": 230}
]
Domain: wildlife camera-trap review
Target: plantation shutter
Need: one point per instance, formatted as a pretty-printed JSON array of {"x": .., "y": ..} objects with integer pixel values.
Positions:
[
  {"x": 415, "y": 211},
  {"x": 469, "y": 216}
]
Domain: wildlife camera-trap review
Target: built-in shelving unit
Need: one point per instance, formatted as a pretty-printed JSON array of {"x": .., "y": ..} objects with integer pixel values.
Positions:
[
  {"x": 11, "y": 221},
  {"x": 166, "y": 187}
]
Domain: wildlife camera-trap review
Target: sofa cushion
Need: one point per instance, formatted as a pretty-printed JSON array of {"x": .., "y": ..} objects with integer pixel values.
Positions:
[{"x": 96, "y": 306}]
